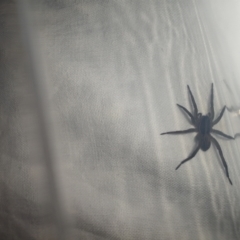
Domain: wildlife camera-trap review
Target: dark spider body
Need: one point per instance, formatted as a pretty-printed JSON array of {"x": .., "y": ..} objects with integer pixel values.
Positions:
[
  {"x": 203, "y": 126},
  {"x": 204, "y": 129}
]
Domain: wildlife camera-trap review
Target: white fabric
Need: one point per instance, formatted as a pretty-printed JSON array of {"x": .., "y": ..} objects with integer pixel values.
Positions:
[{"x": 114, "y": 73}]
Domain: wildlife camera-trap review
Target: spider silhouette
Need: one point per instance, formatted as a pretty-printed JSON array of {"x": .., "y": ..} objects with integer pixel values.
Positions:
[{"x": 203, "y": 126}]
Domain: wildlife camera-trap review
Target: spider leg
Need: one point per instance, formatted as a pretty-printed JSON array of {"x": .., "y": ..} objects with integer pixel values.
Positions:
[
  {"x": 188, "y": 113},
  {"x": 222, "y": 157},
  {"x": 212, "y": 107},
  {"x": 194, "y": 103},
  {"x": 219, "y": 117},
  {"x": 222, "y": 134},
  {"x": 190, "y": 157},
  {"x": 190, "y": 130}
]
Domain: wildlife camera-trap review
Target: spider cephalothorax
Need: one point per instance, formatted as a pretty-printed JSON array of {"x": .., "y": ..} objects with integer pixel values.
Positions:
[{"x": 203, "y": 126}]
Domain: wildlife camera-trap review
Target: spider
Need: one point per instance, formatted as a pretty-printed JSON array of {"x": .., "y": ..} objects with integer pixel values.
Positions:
[{"x": 203, "y": 126}]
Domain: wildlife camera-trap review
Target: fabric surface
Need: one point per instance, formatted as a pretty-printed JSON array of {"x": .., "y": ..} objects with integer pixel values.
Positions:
[{"x": 81, "y": 152}]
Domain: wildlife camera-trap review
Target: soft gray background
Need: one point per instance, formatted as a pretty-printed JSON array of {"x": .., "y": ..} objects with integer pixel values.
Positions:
[{"x": 111, "y": 73}]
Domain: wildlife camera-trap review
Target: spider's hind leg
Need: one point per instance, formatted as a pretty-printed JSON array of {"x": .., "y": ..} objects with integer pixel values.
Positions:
[
  {"x": 191, "y": 156},
  {"x": 222, "y": 157}
]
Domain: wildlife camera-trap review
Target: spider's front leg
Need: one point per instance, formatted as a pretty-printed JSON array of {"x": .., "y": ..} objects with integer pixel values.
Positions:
[
  {"x": 188, "y": 113},
  {"x": 211, "y": 103},
  {"x": 193, "y": 102},
  {"x": 219, "y": 117}
]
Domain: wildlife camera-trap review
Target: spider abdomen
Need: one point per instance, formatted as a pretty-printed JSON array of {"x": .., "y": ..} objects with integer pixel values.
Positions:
[
  {"x": 205, "y": 125},
  {"x": 206, "y": 143}
]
